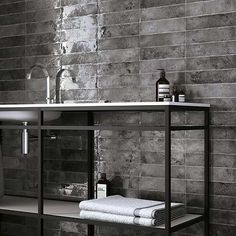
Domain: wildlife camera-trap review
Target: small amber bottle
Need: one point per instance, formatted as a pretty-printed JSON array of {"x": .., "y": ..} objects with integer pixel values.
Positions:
[{"x": 103, "y": 185}]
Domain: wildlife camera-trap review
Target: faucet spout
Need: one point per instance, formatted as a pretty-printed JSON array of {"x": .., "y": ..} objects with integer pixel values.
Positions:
[
  {"x": 43, "y": 68},
  {"x": 58, "y": 83}
]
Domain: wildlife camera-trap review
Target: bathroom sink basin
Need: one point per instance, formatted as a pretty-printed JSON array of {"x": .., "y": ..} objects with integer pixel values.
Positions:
[{"x": 27, "y": 116}]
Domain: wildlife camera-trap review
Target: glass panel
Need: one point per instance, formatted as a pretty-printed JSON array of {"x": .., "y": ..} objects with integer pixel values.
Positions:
[{"x": 65, "y": 165}]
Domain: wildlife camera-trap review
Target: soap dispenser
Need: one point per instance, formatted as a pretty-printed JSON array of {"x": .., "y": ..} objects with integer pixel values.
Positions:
[{"x": 162, "y": 87}]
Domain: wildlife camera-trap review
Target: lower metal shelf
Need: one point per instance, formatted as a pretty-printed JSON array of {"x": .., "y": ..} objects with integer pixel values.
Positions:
[{"x": 69, "y": 211}]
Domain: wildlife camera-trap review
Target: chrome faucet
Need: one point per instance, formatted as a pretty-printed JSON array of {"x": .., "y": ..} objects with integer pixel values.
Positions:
[
  {"x": 58, "y": 83},
  {"x": 43, "y": 68}
]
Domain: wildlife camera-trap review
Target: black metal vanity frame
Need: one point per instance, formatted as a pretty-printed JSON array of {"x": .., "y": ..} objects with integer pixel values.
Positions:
[{"x": 167, "y": 109}]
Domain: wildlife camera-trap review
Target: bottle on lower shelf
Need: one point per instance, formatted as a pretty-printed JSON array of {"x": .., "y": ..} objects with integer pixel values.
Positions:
[{"x": 103, "y": 184}]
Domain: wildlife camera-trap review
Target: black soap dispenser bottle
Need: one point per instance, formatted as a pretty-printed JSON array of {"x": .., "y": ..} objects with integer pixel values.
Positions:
[{"x": 162, "y": 87}]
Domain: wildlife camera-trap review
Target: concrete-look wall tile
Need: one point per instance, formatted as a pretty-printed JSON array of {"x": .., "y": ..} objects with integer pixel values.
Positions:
[
  {"x": 80, "y": 94},
  {"x": 211, "y": 21},
  {"x": 80, "y": 46},
  {"x": 210, "y": 7},
  {"x": 221, "y": 216},
  {"x": 15, "y": 63},
  {"x": 124, "y": 55},
  {"x": 223, "y": 160},
  {"x": 43, "y": 38},
  {"x": 213, "y": 76},
  {"x": 195, "y": 186},
  {"x": 118, "y": 18},
  {"x": 118, "y": 30},
  {"x": 223, "y": 118},
  {"x": 150, "y": 170},
  {"x": 167, "y": 12},
  {"x": 171, "y": 65},
  {"x": 124, "y": 68},
  {"x": 214, "y": 34},
  {"x": 211, "y": 90},
  {"x": 80, "y": 10},
  {"x": 211, "y": 49},
  {"x": 162, "y": 26},
  {"x": 12, "y": 85},
  {"x": 12, "y": 30},
  {"x": 224, "y": 132},
  {"x": 194, "y": 159},
  {"x": 12, "y": 52},
  {"x": 41, "y": 27},
  {"x": 195, "y": 173},
  {"x": 223, "y": 202},
  {"x": 162, "y": 39},
  {"x": 119, "y": 94},
  {"x": 75, "y": 35},
  {"x": 152, "y": 158},
  {"x": 118, "y": 43},
  {"x": 214, "y": 62},
  {"x": 178, "y": 158},
  {"x": 162, "y": 52},
  {"x": 157, "y": 3},
  {"x": 195, "y": 200},
  {"x": 148, "y": 94},
  {"x": 18, "y": 74},
  {"x": 121, "y": 134},
  {"x": 83, "y": 70},
  {"x": 121, "y": 5},
  {"x": 43, "y": 15},
  {"x": 119, "y": 144},
  {"x": 48, "y": 49},
  {"x": 87, "y": 22},
  {"x": 83, "y": 58},
  {"x": 118, "y": 81},
  {"x": 18, "y": 18},
  {"x": 219, "y": 104},
  {"x": 225, "y": 189},
  {"x": 34, "y": 5},
  {"x": 222, "y": 229},
  {"x": 224, "y": 146},
  {"x": 75, "y": 2},
  {"x": 12, "y": 8},
  {"x": 131, "y": 118},
  {"x": 152, "y": 183},
  {"x": 223, "y": 175},
  {"x": 13, "y": 41}
]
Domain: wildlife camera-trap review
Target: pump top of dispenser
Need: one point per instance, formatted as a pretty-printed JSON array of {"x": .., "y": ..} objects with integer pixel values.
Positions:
[{"x": 163, "y": 73}]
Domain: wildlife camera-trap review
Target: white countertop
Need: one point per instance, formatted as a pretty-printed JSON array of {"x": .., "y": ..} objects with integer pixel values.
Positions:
[{"x": 105, "y": 105}]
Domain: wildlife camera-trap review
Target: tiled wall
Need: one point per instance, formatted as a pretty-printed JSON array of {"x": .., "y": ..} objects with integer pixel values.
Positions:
[{"x": 115, "y": 47}]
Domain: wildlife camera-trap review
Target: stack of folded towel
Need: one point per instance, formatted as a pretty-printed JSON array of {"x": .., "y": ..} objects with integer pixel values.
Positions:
[{"x": 129, "y": 210}]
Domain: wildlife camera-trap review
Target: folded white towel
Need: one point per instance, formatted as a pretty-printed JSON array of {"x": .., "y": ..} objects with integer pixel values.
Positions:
[
  {"x": 96, "y": 215},
  {"x": 119, "y": 205}
]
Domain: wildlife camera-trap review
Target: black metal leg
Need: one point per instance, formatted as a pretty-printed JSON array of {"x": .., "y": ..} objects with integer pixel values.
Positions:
[
  {"x": 167, "y": 171},
  {"x": 40, "y": 173},
  {"x": 40, "y": 226},
  {"x": 206, "y": 170},
  {"x": 90, "y": 166}
]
